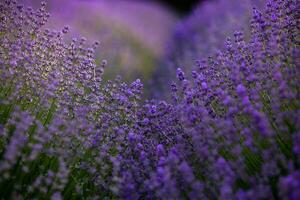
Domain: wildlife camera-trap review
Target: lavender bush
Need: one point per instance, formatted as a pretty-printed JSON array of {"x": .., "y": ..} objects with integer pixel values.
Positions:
[
  {"x": 59, "y": 123},
  {"x": 231, "y": 130}
]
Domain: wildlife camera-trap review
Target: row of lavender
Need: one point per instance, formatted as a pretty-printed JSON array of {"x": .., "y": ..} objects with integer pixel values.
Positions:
[{"x": 231, "y": 130}]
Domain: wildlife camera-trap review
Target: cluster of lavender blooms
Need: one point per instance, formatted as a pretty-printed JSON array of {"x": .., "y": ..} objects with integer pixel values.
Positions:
[
  {"x": 231, "y": 130},
  {"x": 59, "y": 124}
]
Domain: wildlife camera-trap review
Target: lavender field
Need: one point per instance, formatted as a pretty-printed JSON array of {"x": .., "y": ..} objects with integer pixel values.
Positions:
[{"x": 205, "y": 107}]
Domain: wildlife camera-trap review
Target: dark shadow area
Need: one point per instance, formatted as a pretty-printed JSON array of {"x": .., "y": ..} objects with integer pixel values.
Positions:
[{"x": 182, "y": 7}]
